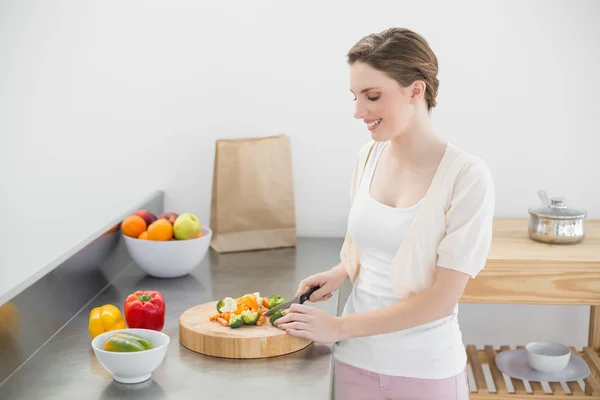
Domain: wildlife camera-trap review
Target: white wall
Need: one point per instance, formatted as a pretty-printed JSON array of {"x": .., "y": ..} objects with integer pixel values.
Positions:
[{"x": 104, "y": 102}]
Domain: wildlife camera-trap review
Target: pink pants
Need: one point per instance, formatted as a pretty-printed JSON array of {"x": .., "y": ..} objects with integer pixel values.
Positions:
[{"x": 352, "y": 383}]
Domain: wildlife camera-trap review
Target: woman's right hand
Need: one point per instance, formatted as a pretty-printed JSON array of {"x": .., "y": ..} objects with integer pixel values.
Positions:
[{"x": 329, "y": 281}]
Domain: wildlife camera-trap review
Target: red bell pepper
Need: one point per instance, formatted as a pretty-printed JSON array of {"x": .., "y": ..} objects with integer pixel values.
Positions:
[{"x": 145, "y": 310}]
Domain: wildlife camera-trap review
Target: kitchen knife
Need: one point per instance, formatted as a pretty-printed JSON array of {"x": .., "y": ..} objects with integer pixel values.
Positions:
[{"x": 288, "y": 304}]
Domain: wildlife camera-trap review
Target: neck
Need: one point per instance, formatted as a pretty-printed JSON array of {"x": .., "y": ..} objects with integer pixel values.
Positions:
[{"x": 419, "y": 144}]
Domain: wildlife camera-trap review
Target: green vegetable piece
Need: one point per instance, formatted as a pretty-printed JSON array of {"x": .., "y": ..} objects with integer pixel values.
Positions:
[
  {"x": 220, "y": 304},
  {"x": 235, "y": 321},
  {"x": 143, "y": 341},
  {"x": 122, "y": 344},
  {"x": 275, "y": 300},
  {"x": 250, "y": 317},
  {"x": 276, "y": 315}
]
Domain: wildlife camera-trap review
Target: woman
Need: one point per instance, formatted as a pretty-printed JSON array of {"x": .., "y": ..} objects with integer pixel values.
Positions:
[{"x": 419, "y": 227}]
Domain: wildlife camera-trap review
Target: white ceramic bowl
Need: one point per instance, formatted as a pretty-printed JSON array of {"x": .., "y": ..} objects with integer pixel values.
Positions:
[
  {"x": 168, "y": 259},
  {"x": 136, "y": 366},
  {"x": 548, "y": 356}
]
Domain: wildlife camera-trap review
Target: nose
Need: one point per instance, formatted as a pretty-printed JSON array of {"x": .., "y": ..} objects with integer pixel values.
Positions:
[{"x": 359, "y": 111}]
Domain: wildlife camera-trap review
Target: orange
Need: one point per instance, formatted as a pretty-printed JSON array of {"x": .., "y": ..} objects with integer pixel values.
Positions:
[
  {"x": 200, "y": 234},
  {"x": 143, "y": 236},
  {"x": 9, "y": 317},
  {"x": 133, "y": 226},
  {"x": 161, "y": 229}
]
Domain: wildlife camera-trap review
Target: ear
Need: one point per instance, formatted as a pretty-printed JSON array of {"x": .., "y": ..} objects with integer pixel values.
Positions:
[{"x": 417, "y": 91}]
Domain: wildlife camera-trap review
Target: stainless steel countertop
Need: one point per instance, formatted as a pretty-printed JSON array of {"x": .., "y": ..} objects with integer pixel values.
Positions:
[{"x": 65, "y": 367}]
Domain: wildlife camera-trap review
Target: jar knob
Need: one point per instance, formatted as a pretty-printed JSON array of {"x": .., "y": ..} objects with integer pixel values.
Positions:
[{"x": 558, "y": 202}]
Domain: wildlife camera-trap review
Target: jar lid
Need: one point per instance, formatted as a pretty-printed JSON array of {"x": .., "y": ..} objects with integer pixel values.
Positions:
[{"x": 558, "y": 210}]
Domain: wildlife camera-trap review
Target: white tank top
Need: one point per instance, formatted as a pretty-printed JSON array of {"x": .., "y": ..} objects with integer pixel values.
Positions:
[{"x": 431, "y": 351}]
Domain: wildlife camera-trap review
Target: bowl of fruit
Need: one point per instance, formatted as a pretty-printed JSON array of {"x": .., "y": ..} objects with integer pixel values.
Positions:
[
  {"x": 169, "y": 246},
  {"x": 131, "y": 355}
]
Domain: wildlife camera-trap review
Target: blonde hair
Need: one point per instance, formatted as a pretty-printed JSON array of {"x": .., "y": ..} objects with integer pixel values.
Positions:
[{"x": 401, "y": 54}]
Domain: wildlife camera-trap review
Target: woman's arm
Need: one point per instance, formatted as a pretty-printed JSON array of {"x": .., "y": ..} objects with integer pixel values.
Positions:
[
  {"x": 436, "y": 302},
  {"x": 329, "y": 281},
  {"x": 433, "y": 303}
]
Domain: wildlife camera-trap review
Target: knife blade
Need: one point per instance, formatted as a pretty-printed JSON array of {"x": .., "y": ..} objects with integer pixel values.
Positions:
[{"x": 295, "y": 300}]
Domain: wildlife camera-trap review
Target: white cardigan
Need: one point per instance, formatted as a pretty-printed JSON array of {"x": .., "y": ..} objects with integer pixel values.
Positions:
[{"x": 452, "y": 229}]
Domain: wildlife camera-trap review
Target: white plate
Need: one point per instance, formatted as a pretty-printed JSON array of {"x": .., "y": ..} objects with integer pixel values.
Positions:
[{"x": 514, "y": 364}]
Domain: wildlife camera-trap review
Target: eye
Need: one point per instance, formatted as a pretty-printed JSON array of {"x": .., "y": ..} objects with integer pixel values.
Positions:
[{"x": 374, "y": 98}]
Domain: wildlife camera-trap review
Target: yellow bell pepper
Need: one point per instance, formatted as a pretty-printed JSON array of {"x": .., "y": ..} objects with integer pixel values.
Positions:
[
  {"x": 104, "y": 319},
  {"x": 248, "y": 300}
]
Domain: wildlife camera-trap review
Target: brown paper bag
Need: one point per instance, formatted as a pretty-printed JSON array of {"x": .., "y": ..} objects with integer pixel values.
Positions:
[{"x": 253, "y": 195}]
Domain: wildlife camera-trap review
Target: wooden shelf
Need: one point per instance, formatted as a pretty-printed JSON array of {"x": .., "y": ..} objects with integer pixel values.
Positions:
[
  {"x": 482, "y": 360},
  {"x": 522, "y": 271}
]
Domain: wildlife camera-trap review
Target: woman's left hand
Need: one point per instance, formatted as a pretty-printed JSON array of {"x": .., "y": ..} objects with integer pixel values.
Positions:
[{"x": 310, "y": 323}]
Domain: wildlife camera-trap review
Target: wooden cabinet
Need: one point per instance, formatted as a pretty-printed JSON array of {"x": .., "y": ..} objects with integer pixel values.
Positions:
[{"x": 522, "y": 271}]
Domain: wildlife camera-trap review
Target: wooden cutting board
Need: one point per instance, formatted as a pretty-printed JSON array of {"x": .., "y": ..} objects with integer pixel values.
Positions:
[{"x": 199, "y": 334}]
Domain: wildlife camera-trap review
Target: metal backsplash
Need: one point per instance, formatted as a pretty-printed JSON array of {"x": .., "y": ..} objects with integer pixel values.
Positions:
[{"x": 33, "y": 316}]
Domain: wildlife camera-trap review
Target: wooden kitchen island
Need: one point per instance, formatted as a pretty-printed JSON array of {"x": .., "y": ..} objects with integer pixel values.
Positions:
[{"x": 522, "y": 271}]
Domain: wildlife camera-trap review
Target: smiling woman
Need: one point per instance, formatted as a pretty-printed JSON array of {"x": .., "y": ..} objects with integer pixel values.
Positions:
[
  {"x": 420, "y": 226},
  {"x": 389, "y": 71}
]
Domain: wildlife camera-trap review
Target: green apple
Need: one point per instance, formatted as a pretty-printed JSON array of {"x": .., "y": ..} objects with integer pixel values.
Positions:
[{"x": 186, "y": 226}]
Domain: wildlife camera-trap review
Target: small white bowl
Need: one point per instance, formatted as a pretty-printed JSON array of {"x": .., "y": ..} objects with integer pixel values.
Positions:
[
  {"x": 548, "y": 356},
  {"x": 134, "y": 367},
  {"x": 168, "y": 259}
]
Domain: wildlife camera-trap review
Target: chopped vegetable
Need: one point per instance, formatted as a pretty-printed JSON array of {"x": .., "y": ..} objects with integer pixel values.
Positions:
[
  {"x": 276, "y": 315},
  {"x": 275, "y": 300},
  {"x": 235, "y": 321},
  {"x": 229, "y": 305},
  {"x": 247, "y": 309},
  {"x": 240, "y": 309},
  {"x": 250, "y": 317},
  {"x": 262, "y": 310},
  {"x": 247, "y": 301}
]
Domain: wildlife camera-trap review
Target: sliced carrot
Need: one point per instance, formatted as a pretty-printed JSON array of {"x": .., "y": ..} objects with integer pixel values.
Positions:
[
  {"x": 261, "y": 320},
  {"x": 223, "y": 322},
  {"x": 214, "y": 317},
  {"x": 265, "y": 302},
  {"x": 225, "y": 316}
]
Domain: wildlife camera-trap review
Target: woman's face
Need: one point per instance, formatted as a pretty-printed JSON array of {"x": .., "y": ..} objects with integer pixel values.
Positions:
[{"x": 381, "y": 102}]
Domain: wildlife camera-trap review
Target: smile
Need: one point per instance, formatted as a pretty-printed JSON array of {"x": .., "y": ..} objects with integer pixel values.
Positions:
[{"x": 373, "y": 124}]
